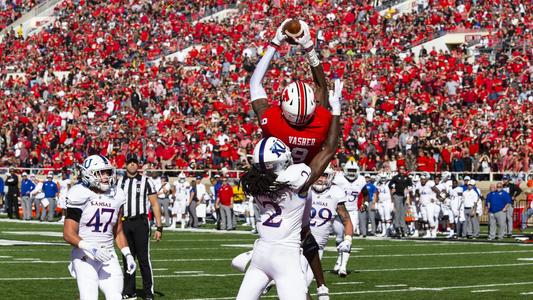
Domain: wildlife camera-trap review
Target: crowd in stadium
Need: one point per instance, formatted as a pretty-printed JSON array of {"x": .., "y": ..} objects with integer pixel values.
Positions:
[{"x": 439, "y": 112}]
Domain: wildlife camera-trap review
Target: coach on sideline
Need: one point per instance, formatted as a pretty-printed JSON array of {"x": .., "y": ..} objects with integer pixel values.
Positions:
[
  {"x": 139, "y": 190},
  {"x": 498, "y": 202}
]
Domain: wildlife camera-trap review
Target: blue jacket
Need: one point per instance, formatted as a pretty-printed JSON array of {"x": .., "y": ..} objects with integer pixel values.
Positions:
[
  {"x": 26, "y": 187},
  {"x": 1, "y": 186},
  {"x": 372, "y": 189},
  {"x": 50, "y": 189},
  {"x": 498, "y": 200}
]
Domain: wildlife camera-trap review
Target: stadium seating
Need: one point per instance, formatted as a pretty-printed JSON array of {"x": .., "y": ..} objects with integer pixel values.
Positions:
[{"x": 88, "y": 84}]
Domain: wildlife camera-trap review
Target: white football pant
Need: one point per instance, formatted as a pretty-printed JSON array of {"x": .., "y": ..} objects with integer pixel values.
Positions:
[
  {"x": 281, "y": 263},
  {"x": 91, "y": 275}
]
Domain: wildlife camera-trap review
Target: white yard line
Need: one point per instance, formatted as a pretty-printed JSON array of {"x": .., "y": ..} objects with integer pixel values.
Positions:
[
  {"x": 527, "y": 293},
  {"x": 411, "y": 289},
  {"x": 348, "y": 283},
  {"x": 483, "y": 291},
  {"x": 389, "y": 285}
]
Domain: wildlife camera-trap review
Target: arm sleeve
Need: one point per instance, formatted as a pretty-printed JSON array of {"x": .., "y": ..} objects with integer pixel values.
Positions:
[
  {"x": 74, "y": 214},
  {"x": 256, "y": 87}
]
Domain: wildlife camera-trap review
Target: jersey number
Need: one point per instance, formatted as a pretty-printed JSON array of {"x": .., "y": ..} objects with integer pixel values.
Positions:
[
  {"x": 299, "y": 154},
  {"x": 324, "y": 213},
  {"x": 96, "y": 219},
  {"x": 353, "y": 197},
  {"x": 277, "y": 212}
]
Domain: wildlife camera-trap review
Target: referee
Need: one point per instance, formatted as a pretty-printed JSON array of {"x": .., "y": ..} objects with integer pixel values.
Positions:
[
  {"x": 139, "y": 190},
  {"x": 398, "y": 184}
]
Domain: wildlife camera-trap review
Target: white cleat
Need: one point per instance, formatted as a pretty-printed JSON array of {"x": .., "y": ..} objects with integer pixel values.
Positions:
[
  {"x": 322, "y": 293},
  {"x": 342, "y": 272}
]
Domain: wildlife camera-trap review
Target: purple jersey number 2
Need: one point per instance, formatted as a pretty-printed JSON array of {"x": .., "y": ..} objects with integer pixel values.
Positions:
[
  {"x": 96, "y": 219},
  {"x": 277, "y": 212}
]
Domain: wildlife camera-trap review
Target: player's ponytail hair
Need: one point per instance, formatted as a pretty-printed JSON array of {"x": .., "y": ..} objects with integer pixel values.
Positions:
[{"x": 261, "y": 183}]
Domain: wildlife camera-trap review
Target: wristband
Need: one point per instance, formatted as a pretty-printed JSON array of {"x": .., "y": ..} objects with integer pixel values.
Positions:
[
  {"x": 312, "y": 56},
  {"x": 348, "y": 238},
  {"x": 160, "y": 229},
  {"x": 83, "y": 244},
  {"x": 125, "y": 251}
]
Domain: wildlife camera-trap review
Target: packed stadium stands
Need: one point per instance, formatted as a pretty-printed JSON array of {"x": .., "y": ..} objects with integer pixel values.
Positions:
[{"x": 88, "y": 84}]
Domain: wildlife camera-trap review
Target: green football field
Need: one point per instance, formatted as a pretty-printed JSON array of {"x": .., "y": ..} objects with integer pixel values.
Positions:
[{"x": 196, "y": 265}]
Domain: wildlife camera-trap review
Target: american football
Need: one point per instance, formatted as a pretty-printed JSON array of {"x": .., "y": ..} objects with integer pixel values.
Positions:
[{"x": 266, "y": 149}]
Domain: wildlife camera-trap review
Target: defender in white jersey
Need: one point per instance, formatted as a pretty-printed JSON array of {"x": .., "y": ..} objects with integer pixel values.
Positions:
[
  {"x": 352, "y": 184},
  {"x": 94, "y": 211},
  {"x": 444, "y": 202},
  {"x": 180, "y": 190},
  {"x": 326, "y": 201},
  {"x": 428, "y": 197},
  {"x": 275, "y": 183},
  {"x": 384, "y": 204}
]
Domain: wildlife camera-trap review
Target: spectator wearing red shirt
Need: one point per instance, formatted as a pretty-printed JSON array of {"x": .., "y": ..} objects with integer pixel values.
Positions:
[{"x": 225, "y": 204}]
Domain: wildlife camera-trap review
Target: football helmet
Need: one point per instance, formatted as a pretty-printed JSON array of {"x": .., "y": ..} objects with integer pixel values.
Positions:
[
  {"x": 94, "y": 168},
  {"x": 324, "y": 181},
  {"x": 271, "y": 154},
  {"x": 383, "y": 177},
  {"x": 298, "y": 103},
  {"x": 182, "y": 178},
  {"x": 351, "y": 170},
  {"x": 425, "y": 176},
  {"x": 446, "y": 176}
]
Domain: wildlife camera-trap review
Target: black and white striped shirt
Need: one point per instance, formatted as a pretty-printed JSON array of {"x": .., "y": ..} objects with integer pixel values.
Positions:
[{"x": 137, "y": 190}]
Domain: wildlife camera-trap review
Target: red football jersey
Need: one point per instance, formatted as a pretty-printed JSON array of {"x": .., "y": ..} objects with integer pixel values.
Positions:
[{"x": 305, "y": 142}]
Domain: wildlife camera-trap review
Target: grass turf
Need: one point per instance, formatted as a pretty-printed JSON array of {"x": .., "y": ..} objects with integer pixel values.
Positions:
[{"x": 193, "y": 265}]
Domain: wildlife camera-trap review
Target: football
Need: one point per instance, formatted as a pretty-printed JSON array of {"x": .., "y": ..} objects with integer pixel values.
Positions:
[{"x": 293, "y": 30}]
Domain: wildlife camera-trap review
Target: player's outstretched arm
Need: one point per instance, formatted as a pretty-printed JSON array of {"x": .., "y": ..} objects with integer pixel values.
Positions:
[
  {"x": 258, "y": 94},
  {"x": 346, "y": 221},
  {"x": 317, "y": 70},
  {"x": 322, "y": 159}
]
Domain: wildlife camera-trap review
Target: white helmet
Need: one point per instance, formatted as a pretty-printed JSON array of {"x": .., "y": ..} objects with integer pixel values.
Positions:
[
  {"x": 298, "y": 103},
  {"x": 425, "y": 175},
  {"x": 446, "y": 176},
  {"x": 182, "y": 178},
  {"x": 383, "y": 177},
  {"x": 320, "y": 186},
  {"x": 351, "y": 170},
  {"x": 416, "y": 178},
  {"x": 93, "y": 168},
  {"x": 272, "y": 154}
]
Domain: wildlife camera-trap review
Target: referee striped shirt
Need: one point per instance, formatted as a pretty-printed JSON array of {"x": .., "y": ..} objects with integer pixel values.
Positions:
[{"x": 137, "y": 190}]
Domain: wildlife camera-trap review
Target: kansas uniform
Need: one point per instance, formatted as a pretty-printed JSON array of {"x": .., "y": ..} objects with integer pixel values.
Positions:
[
  {"x": 428, "y": 205},
  {"x": 276, "y": 254},
  {"x": 99, "y": 214},
  {"x": 323, "y": 212},
  {"x": 181, "y": 197},
  {"x": 351, "y": 189},
  {"x": 384, "y": 206},
  {"x": 91, "y": 225}
]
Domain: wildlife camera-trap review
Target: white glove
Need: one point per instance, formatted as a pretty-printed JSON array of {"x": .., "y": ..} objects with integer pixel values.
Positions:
[
  {"x": 335, "y": 98},
  {"x": 130, "y": 261},
  {"x": 280, "y": 35},
  {"x": 346, "y": 245},
  {"x": 98, "y": 254},
  {"x": 305, "y": 41},
  {"x": 322, "y": 293}
]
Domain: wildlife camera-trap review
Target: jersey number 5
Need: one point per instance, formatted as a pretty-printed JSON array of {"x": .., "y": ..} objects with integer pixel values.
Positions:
[{"x": 96, "y": 219}]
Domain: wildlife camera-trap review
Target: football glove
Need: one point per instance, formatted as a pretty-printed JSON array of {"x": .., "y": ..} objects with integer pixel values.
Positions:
[
  {"x": 305, "y": 41},
  {"x": 335, "y": 98},
  {"x": 346, "y": 245},
  {"x": 130, "y": 261},
  {"x": 280, "y": 36},
  {"x": 322, "y": 293},
  {"x": 95, "y": 253},
  {"x": 131, "y": 265}
]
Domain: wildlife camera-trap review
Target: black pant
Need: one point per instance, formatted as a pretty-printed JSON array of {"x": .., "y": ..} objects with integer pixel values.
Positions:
[
  {"x": 12, "y": 206},
  {"x": 137, "y": 233}
]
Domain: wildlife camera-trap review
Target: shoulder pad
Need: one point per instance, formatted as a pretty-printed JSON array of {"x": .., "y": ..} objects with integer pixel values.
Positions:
[
  {"x": 295, "y": 175},
  {"x": 338, "y": 193},
  {"x": 120, "y": 195},
  {"x": 77, "y": 196}
]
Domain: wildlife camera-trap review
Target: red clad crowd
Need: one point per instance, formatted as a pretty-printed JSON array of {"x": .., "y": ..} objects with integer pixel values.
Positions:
[
  {"x": 90, "y": 86},
  {"x": 11, "y": 10}
]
